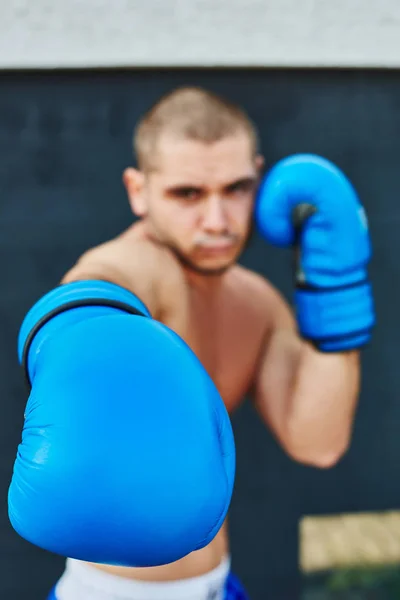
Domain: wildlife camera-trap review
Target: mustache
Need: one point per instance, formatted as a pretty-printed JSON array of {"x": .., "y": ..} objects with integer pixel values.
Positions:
[{"x": 211, "y": 241}]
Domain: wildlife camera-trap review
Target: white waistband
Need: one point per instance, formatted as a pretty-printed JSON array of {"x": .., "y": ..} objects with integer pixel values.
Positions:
[{"x": 81, "y": 581}]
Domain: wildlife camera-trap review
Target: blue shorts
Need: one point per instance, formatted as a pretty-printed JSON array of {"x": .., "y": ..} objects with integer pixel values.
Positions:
[{"x": 233, "y": 590}]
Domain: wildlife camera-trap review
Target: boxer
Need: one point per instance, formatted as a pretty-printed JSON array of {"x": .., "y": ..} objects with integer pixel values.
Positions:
[{"x": 127, "y": 460}]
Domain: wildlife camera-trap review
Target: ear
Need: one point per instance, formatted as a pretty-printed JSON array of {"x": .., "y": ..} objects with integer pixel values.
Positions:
[
  {"x": 134, "y": 184},
  {"x": 260, "y": 162}
]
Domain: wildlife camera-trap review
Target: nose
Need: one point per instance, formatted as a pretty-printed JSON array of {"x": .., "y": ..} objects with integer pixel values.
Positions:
[{"x": 215, "y": 218}]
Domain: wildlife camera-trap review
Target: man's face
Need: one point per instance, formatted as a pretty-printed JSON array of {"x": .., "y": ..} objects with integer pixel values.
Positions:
[{"x": 199, "y": 200}]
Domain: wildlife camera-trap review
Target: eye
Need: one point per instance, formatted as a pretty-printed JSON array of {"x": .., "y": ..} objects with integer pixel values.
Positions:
[
  {"x": 241, "y": 188},
  {"x": 186, "y": 193}
]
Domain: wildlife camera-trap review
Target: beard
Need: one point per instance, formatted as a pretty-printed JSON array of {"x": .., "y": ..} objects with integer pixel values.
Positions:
[
  {"x": 190, "y": 264},
  {"x": 207, "y": 272},
  {"x": 187, "y": 262},
  {"x": 159, "y": 237}
]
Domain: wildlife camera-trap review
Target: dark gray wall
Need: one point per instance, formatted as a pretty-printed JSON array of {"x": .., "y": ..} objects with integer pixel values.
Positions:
[{"x": 64, "y": 141}]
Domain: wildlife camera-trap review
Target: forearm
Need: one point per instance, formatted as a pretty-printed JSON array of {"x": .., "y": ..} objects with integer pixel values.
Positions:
[
  {"x": 321, "y": 404},
  {"x": 309, "y": 396}
]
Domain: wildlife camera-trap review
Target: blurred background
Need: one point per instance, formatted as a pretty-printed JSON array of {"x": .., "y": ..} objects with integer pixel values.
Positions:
[{"x": 315, "y": 76}]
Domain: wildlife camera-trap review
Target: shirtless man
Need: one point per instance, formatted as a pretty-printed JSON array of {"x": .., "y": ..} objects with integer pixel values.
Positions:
[{"x": 194, "y": 193}]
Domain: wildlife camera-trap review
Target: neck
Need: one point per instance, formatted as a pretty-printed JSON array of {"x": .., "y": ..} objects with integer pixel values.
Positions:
[{"x": 206, "y": 284}]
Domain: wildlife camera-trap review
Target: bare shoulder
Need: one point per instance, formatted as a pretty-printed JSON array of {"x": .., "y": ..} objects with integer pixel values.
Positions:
[
  {"x": 133, "y": 262},
  {"x": 261, "y": 296}
]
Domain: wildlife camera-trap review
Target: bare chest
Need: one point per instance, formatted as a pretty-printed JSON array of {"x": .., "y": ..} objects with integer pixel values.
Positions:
[{"x": 227, "y": 341}]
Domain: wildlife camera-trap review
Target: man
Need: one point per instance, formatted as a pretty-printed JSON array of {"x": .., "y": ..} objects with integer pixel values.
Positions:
[{"x": 194, "y": 193}]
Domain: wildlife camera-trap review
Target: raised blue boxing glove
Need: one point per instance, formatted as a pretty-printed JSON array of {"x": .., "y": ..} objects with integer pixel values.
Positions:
[
  {"x": 127, "y": 454},
  {"x": 308, "y": 203}
]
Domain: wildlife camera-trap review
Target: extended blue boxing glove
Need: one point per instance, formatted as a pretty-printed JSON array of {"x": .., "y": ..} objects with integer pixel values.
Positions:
[
  {"x": 308, "y": 203},
  {"x": 127, "y": 454}
]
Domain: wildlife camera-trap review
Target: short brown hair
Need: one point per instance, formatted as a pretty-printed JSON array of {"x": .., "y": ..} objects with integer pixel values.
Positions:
[{"x": 192, "y": 113}]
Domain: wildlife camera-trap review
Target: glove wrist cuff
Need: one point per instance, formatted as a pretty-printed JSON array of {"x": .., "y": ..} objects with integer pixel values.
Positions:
[{"x": 336, "y": 319}]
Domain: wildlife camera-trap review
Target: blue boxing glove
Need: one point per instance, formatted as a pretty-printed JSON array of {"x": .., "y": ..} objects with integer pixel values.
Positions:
[
  {"x": 127, "y": 454},
  {"x": 308, "y": 203}
]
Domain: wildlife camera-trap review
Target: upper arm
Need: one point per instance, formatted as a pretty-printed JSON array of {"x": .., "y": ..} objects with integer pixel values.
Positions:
[{"x": 140, "y": 268}]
